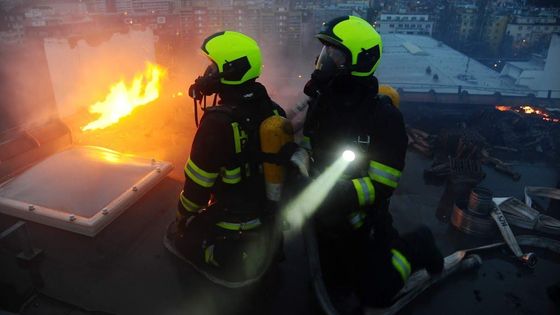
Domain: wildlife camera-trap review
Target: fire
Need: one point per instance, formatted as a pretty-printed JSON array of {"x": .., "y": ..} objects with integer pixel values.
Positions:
[
  {"x": 178, "y": 94},
  {"x": 123, "y": 99},
  {"x": 529, "y": 110}
]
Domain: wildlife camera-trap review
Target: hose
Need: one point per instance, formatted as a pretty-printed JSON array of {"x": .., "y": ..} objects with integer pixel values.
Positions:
[
  {"x": 521, "y": 215},
  {"x": 516, "y": 212}
]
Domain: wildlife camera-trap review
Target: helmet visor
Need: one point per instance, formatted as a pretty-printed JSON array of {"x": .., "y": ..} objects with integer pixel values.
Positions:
[
  {"x": 331, "y": 58},
  {"x": 212, "y": 70}
]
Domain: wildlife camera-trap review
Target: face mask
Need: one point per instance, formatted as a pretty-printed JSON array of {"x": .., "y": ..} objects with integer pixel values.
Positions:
[
  {"x": 207, "y": 84},
  {"x": 332, "y": 62}
]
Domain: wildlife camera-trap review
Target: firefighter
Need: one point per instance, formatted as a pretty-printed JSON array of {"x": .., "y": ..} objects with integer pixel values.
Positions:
[
  {"x": 223, "y": 215},
  {"x": 358, "y": 245}
]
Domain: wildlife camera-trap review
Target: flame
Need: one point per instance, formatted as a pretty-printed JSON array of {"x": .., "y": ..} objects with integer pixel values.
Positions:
[
  {"x": 123, "y": 99},
  {"x": 503, "y": 108},
  {"x": 529, "y": 110}
]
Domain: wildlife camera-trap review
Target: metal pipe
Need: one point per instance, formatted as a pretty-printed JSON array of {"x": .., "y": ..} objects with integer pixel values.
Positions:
[{"x": 25, "y": 241}]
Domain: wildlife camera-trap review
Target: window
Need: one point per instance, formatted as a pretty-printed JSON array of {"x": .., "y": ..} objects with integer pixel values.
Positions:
[{"x": 391, "y": 25}]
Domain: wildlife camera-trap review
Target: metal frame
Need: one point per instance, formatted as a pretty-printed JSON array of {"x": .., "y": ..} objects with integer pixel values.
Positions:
[{"x": 82, "y": 225}]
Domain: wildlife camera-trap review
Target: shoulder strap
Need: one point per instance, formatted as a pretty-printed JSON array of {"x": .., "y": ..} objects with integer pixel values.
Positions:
[{"x": 245, "y": 126}]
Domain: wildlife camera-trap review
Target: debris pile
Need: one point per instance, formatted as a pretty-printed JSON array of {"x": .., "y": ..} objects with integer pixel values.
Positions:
[
  {"x": 421, "y": 141},
  {"x": 525, "y": 131},
  {"x": 457, "y": 154},
  {"x": 491, "y": 136}
]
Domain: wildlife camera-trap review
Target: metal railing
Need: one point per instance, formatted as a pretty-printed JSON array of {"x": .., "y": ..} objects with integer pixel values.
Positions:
[{"x": 469, "y": 89}]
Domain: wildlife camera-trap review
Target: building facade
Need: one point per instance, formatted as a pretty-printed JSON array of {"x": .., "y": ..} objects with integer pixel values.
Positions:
[
  {"x": 416, "y": 24},
  {"x": 529, "y": 30},
  {"x": 493, "y": 32}
]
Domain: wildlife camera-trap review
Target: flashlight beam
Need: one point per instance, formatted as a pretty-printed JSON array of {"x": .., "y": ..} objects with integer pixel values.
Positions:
[{"x": 307, "y": 202}]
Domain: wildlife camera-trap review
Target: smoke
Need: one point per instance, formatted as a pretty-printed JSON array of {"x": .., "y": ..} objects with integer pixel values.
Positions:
[
  {"x": 285, "y": 74},
  {"x": 82, "y": 70},
  {"x": 285, "y": 70},
  {"x": 26, "y": 95},
  {"x": 61, "y": 76}
]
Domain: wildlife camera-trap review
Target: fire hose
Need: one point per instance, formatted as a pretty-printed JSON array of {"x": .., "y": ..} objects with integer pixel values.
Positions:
[
  {"x": 528, "y": 259},
  {"x": 523, "y": 216},
  {"x": 461, "y": 260},
  {"x": 477, "y": 222},
  {"x": 483, "y": 213}
]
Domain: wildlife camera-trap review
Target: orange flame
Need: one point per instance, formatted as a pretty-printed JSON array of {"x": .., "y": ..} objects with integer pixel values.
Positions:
[
  {"x": 123, "y": 99},
  {"x": 529, "y": 110},
  {"x": 503, "y": 108}
]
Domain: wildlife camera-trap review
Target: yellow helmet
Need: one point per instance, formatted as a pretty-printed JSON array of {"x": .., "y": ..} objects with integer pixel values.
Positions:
[
  {"x": 359, "y": 41},
  {"x": 236, "y": 55},
  {"x": 392, "y": 93}
]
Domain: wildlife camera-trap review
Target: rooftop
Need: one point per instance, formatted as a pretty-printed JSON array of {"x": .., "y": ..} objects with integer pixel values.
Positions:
[
  {"x": 405, "y": 68},
  {"x": 527, "y": 65}
]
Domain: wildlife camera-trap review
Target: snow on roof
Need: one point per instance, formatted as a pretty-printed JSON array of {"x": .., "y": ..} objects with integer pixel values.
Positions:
[
  {"x": 406, "y": 58},
  {"x": 527, "y": 65},
  {"x": 530, "y": 74},
  {"x": 413, "y": 49}
]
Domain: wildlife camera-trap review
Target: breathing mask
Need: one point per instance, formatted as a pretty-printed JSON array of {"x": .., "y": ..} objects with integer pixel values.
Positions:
[
  {"x": 203, "y": 86},
  {"x": 332, "y": 62},
  {"x": 207, "y": 84}
]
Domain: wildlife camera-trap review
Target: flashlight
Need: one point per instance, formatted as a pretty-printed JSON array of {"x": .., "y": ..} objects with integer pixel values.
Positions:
[{"x": 348, "y": 155}]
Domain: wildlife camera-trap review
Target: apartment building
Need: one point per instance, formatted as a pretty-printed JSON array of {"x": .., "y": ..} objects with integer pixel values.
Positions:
[{"x": 416, "y": 24}]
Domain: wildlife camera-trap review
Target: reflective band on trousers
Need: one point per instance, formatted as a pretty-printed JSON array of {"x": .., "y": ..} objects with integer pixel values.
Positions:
[
  {"x": 231, "y": 176},
  {"x": 357, "y": 219},
  {"x": 365, "y": 190},
  {"x": 243, "y": 226},
  {"x": 384, "y": 174},
  {"x": 188, "y": 205},
  {"x": 200, "y": 176},
  {"x": 401, "y": 264}
]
